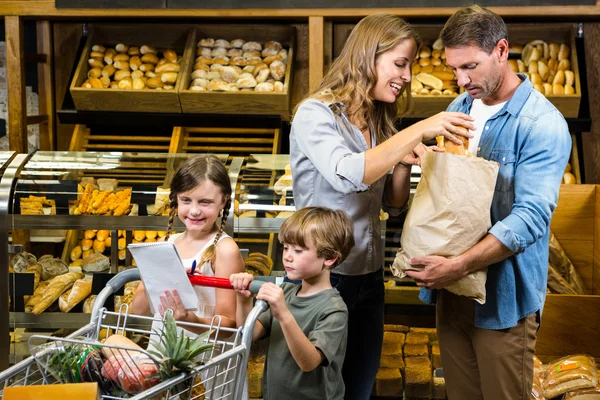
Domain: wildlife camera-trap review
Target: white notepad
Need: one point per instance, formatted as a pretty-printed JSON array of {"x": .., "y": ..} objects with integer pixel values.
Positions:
[{"x": 161, "y": 269}]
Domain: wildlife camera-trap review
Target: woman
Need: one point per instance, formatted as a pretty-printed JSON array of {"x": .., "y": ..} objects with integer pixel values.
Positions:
[{"x": 343, "y": 145}]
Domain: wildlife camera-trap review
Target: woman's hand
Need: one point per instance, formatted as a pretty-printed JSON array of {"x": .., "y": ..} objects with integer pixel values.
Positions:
[
  {"x": 447, "y": 124},
  {"x": 240, "y": 283},
  {"x": 171, "y": 300},
  {"x": 414, "y": 157}
]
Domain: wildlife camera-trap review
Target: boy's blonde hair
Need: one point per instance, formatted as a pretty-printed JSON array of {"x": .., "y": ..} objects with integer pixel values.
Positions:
[{"x": 331, "y": 231}]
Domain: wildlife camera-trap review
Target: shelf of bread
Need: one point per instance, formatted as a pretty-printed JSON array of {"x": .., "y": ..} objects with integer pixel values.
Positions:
[
  {"x": 132, "y": 67},
  {"x": 239, "y": 69},
  {"x": 548, "y": 56}
]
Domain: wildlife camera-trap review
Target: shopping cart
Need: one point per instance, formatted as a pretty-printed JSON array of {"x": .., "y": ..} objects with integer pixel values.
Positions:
[{"x": 220, "y": 373}]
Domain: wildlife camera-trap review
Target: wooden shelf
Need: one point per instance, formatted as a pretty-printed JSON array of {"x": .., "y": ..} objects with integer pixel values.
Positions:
[{"x": 46, "y": 8}]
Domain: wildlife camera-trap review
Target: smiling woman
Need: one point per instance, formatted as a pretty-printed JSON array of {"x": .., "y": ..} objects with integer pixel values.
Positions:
[{"x": 343, "y": 144}]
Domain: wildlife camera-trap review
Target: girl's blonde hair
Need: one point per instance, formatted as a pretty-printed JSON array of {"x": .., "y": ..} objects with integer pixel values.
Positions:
[
  {"x": 192, "y": 173},
  {"x": 331, "y": 231},
  {"x": 352, "y": 75}
]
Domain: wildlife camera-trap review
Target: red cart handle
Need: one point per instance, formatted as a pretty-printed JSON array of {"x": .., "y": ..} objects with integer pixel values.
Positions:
[
  {"x": 222, "y": 283},
  {"x": 210, "y": 281}
]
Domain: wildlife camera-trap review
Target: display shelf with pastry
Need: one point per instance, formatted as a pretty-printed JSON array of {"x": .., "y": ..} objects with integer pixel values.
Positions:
[
  {"x": 131, "y": 67},
  {"x": 544, "y": 52},
  {"x": 240, "y": 69}
]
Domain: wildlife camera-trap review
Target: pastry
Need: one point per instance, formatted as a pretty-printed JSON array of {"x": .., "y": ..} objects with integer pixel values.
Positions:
[
  {"x": 453, "y": 148},
  {"x": 237, "y": 43}
]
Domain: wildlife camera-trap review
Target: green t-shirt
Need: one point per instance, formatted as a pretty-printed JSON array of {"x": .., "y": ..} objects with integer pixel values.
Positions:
[{"x": 323, "y": 318}]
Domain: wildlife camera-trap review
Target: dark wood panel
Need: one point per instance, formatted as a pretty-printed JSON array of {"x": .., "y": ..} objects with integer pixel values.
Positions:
[
  {"x": 111, "y": 4},
  {"x": 66, "y": 40},
  {"x": 591, "y": 140}
]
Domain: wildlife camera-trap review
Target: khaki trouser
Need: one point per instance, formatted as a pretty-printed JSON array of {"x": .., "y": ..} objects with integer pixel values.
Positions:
[{"x": 481, "y": 363}]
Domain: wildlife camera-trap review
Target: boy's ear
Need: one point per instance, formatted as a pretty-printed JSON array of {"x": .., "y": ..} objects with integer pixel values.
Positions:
[{"x": 330, "y": 263}]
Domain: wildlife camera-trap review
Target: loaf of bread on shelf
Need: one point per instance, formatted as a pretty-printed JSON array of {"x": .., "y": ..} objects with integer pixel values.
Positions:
[
  {"x": 388, "y": 382},
  {"x": 430, "y": 332},
  {"x": 88, "y": 304},
  {"x": 416, "y": 350},
  {"x": 52, "y": 267},
  {"x": 55, "y": 288},
  {"x": 413, "y": 337},
  {"x": 81, "y": 289},
  {"x": 418, "y": 377},
  {"x": 392, "y": 343},
  {"x": 37, "y": 295},
  {"x": 396, "y": 328},
  {"x": 570, "y": 373},
  {"x": 391, "y": 361},
  {"x": 436, "y": 359},
  {"x": 96, "y": 262},
  {"x": 21, "y": 261}
]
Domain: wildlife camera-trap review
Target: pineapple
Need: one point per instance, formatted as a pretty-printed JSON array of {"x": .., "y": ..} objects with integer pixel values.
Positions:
[{"x": 177, "y": 352}]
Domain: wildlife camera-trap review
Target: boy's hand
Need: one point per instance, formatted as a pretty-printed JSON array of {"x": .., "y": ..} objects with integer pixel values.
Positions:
[
  {"x": 240, "y": 283},
  {"x": 273, "y": 295}
]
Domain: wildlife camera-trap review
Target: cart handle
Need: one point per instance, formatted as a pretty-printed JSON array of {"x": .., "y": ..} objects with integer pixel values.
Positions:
[
  {"x": 222, "y": 283},
  {"x": 119, "y": 280}
]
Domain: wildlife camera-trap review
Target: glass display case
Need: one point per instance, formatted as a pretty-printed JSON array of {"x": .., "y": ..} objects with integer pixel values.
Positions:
[
  {"x": 76, "y": 212},
  {"x": 265, "y": 199}
]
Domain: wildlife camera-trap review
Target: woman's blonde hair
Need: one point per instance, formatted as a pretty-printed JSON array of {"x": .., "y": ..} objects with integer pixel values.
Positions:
[
  {"x": 331, "y": 231},
  {"x": 352, "y": 75},
  {"x": 192, "y": 173}
]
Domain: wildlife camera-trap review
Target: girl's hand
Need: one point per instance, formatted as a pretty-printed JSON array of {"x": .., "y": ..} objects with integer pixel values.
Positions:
[
  {"x": 447, "y": 124},
  {"x": 414, "y": 157},
  {"x": 240, "y": 283},
  {"x": 273, "y": 294},
  {"x": 171, "y": 300}
]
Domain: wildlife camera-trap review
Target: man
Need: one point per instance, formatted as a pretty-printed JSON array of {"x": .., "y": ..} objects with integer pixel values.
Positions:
[{"x": 487, "y": 350}]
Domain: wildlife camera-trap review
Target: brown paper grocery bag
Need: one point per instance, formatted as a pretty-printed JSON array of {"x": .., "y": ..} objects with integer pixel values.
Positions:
[{"x": 450, "y": 213}]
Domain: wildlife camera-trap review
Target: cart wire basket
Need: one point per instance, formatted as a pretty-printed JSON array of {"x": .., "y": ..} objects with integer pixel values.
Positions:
[{"x": 127, "y": 372}]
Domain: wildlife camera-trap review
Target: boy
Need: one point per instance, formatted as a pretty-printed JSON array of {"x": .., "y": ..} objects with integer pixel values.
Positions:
[{"x": 306, "y": 323}]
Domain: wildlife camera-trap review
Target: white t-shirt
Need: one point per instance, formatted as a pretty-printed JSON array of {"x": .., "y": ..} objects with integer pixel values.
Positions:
[{"x": 481, "y": 113}]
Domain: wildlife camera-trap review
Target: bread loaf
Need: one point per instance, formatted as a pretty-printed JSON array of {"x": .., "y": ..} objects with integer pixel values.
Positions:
[
  {"x": 56, "y": 287},
  {"x": 37, "y": 295},
  {"x": 80, "y": 290},
  {"x": 392, "y": 343},
  {"x": 388, "y": 382},
  {"x": 570, "y": 373},
  {"x": 418, "y": 377},
  {"x": 88, "y": 304},
  {"x": 96, "y": 262}
]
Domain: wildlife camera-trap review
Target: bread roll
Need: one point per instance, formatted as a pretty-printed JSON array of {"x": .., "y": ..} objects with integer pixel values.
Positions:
[
  {"x": 121, "y": 244},
  {"x": 76, "y": 253},
  {"x": 99, "y": 246},
  {"x": 453, "y": 148}
]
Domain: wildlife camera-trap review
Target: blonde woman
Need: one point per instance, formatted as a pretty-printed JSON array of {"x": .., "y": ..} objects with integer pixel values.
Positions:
[{"x": 343, "y": 145}]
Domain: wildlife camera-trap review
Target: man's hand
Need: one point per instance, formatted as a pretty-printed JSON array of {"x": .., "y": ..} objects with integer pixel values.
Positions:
[{"x": 438, "y": 273}]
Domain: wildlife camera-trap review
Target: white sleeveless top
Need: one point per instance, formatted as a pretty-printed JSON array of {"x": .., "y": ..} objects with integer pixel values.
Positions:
[{"x": 206, "y": 295}]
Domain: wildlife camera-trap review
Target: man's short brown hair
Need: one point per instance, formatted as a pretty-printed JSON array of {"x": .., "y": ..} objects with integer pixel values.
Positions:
[
  {"x": 474, "y": 25},
  {"x": 331, "y": 231}
]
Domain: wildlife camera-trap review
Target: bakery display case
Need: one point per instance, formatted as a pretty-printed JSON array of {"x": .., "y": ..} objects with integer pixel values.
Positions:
[
  {"x": 264, "y": 199},
  {"x": 70, "y": 216}
]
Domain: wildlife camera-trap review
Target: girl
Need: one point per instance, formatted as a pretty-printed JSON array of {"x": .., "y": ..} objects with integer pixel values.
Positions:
[
  {"x": 200, "y": 192},
  {"x": 343, "y": 143}
]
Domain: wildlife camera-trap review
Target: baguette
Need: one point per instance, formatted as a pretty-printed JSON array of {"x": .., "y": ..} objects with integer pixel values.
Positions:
[
  {"x": 37, "y": 295},
  {"x": 80, "y": 290},
  {"x": 56, "y": 287}
]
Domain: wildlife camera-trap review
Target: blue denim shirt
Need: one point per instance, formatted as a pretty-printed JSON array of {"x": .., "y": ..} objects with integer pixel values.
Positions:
[{"x": 530, "y": 139}]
